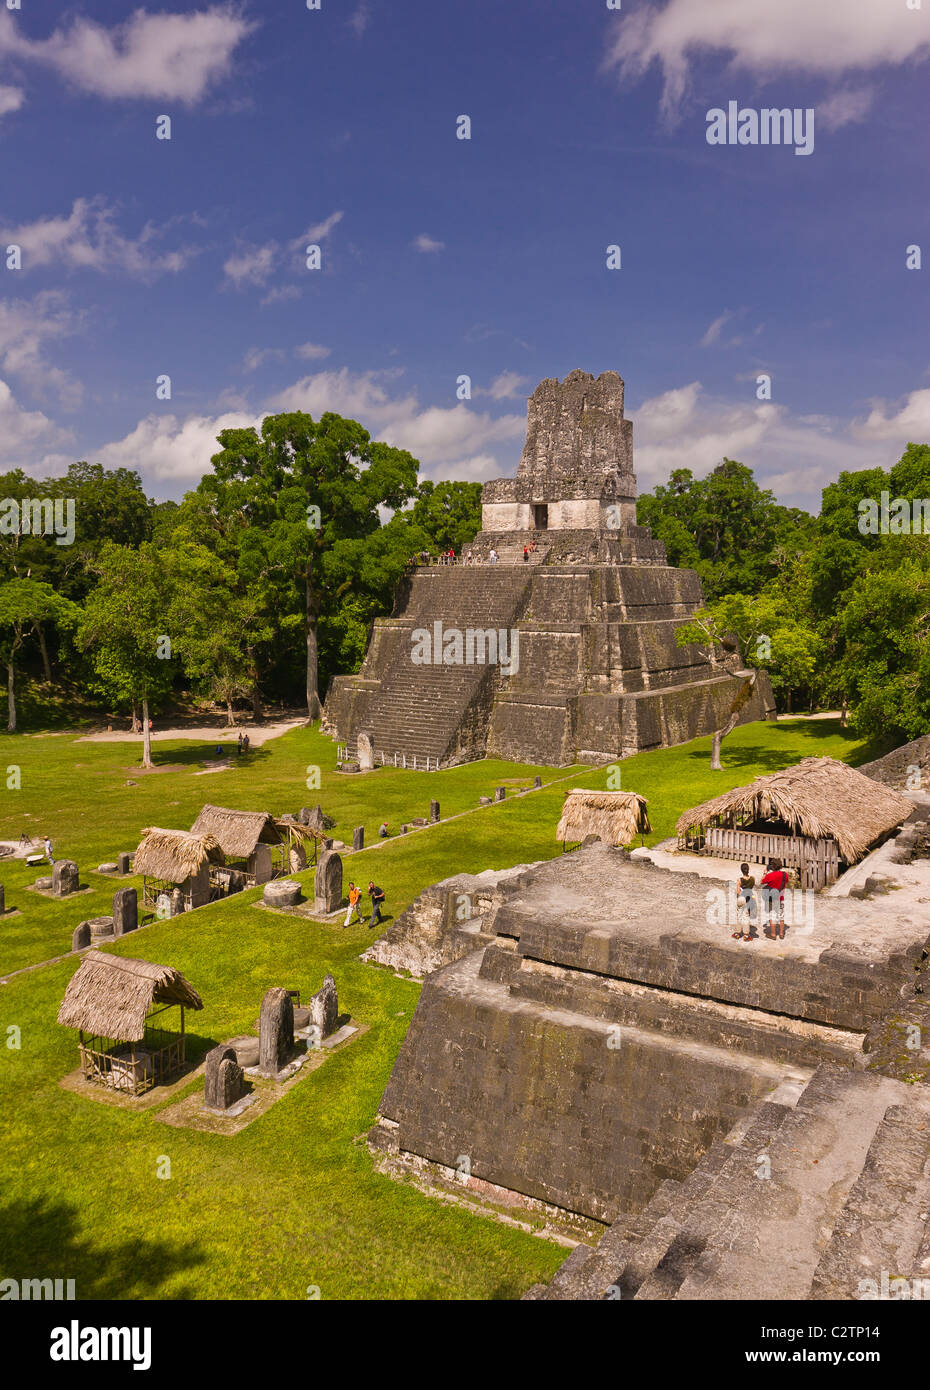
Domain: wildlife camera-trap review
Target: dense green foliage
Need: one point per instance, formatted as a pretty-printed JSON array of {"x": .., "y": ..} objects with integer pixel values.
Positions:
[
  {"x": 266, "y": 578},
  {"x": 835, "y": 608}
]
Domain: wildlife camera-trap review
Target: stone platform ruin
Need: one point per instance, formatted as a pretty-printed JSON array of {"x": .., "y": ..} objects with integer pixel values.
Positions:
[
  {"x": 607, "y": 1059},
  {"x": 590, "y": 618}
]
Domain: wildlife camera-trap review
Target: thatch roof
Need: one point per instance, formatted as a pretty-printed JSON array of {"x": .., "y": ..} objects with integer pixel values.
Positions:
[
  {"x": 616, "y": 817},
  {"x": 111, "y": 995},
  {"x": 174, "y": 855},
  {"x": 817, "y": 797},
  {"x": 238, "y": 832}
]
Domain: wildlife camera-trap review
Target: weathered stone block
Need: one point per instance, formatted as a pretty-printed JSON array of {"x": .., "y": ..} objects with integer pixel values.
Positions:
[
  {"x": 358, "y": 837},
  {"x": 80, "y": 937},
  {"x": 124, "y": 863},
  {"x": 282, "y": 892},
  {"x": 275, "y": 1031},
  {"x": 125, "y": 911},
  {"x": 324, "y": 1007},
  {"x": 224, "y": 1082},
  {"x": 366, "y": 757},
  {"x": 64, "y": 877},
  {"x": 434, "y": 812},
  {"x": 327, "y": 883}
]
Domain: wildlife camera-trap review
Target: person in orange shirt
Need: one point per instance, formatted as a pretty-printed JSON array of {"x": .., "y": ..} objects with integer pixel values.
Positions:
[{"x": 355, "y": 895}]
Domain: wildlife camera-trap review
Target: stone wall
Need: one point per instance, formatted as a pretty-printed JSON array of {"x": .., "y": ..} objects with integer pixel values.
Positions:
[{"x": 608, "y": 1033}]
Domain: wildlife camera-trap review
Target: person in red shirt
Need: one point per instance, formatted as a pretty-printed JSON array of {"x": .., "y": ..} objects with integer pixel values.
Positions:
[{"x": 773, "y": 892}]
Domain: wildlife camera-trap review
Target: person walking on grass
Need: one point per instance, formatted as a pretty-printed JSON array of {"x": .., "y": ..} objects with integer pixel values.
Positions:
[
  {"x": 355, "y": 896},
  {"x": 773, "y": 896},
  {"x": 245, "y": 743},
  {"x": 377, "y": 896},
  {"x": 746, "y": 903},
  {"x": 239, "y": 749},
  {"x": 48, "y": 851}
]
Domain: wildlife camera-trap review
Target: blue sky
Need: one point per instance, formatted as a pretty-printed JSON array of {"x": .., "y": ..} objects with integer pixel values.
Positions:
[{"x": 443, "y": 257}]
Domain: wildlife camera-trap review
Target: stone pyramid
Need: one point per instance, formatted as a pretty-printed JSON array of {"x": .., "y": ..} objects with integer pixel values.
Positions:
[{"x": 567, "y": 655}]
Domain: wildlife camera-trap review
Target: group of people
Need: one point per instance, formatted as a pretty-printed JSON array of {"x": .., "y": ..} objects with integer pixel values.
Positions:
[
  {"x": 243, "y": 743},
  {"x": 377, "y": 896},
  {"x": 772, "y": 892}
]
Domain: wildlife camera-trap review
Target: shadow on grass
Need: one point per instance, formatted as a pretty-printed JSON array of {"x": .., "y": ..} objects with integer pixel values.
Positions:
[
  {"x": 42, "y": 1239},
  {"x": 199, "y": 754}
]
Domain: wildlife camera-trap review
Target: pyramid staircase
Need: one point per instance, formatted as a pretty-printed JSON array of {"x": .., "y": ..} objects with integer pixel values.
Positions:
[{"x": 810, "y": 1200}]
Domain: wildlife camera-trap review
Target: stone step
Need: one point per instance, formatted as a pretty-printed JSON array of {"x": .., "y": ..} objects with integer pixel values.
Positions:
[
  {"x": 886, "y": 1218},
  {"x": 814, "y": 1158}
]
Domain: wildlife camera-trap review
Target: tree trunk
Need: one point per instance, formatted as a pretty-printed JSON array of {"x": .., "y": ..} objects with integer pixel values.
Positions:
[
  {"x": 787, "y": 702},
  {"x": 46, "y": 665},
  {"x": 742, "y": 697},
  {"x": 135, "y": 716},
  {"x": 10, "y": 697},
  {"x": 230, "y": 721},
  {"x": 146, "y": 735},
  {"x": 256, "y": 703},
  {"x": 313, "y": 693}
]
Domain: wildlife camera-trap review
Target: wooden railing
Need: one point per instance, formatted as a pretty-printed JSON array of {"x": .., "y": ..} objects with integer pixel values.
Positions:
[{"x": 817, "y": 861}]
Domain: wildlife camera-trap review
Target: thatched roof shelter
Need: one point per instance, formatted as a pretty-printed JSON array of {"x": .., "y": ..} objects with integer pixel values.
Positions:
[
  {"x": 237, "y": 832},
  {"x": 615, "y": 817},
  {"x": 110, "y": 996},
  {"x": 175, "y": 855},
  {"x": 818, "y": 797}
]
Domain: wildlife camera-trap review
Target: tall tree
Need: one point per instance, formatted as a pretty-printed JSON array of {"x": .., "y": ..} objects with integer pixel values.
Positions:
[
  {"x": 126, "y": 627},
  {"x": 299, "y": 486},
  {"x": 24, "y": 605}
]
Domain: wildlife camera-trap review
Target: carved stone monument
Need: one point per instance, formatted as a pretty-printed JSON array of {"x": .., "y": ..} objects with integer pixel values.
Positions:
[
  {"x": 324, "y": 1008},
  {"x": 224, "y": 1082},
  {"x": 64, "y": 877},
  {"x": 358, "y": 837},
  {"x": 275, "y": 1031},
  {"x": 434, "y": 812},
  {"x": 125, "y": 911},
  {"x": 80, "y": 937},
  {"x": 327, "y": 883},
  {"x": 366, "y": 757}
]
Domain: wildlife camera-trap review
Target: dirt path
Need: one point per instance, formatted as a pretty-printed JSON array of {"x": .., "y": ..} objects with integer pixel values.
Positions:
[{"x": 258, "y": 733}]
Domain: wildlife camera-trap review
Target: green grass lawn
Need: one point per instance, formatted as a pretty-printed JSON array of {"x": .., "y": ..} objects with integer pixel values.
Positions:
[{"x": 293, "y": 1200}]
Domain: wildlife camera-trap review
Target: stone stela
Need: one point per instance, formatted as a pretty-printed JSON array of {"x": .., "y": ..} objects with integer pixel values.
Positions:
[{"x": 587, "y": 593}]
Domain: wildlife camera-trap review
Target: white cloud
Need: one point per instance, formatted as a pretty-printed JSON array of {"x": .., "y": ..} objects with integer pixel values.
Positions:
[
  {"x": 507, "y": 386},
  {"x": 169, "y": 450},
  {"x": 26, "y": 434},
  {"x": 25, "y": 327},
  {"x": 175, "y": 56},
  {"x": 817, "y": 37},
  {"x": 279, "y": 294},
  {"x": 910, "y": 423},
  {"x": 87, "y": 238},
  {"x": 312, "y": 351},
  {"x": 845, "y": 106},
  {"x": 794, "y": 455},
  {"x": 427, "y": 243},
  {"x": 11, "y": 99},
  {"x": 257, "y": 357},
  {"x": 713, "y": 332},
  {"x": 360, "y": 19},
  {"x": 446, "y": 439},
  {"x": 319, "y": 231},
  {"x": 251, "y": 265}
]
